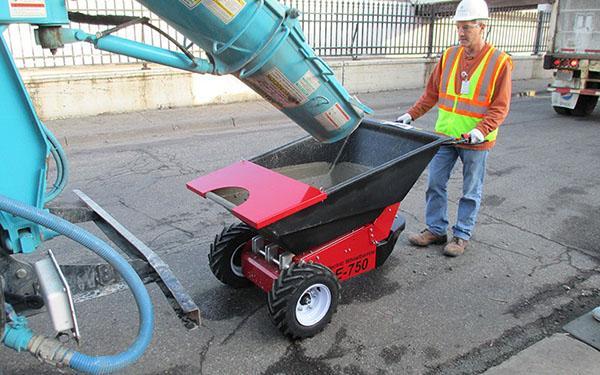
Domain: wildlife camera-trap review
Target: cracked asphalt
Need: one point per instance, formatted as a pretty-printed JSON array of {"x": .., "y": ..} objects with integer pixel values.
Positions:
[{"x": 532, "y": 266}]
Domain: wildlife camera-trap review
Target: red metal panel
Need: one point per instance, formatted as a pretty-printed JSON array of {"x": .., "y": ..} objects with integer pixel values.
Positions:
[
  {"x": 271, "y": 196},
  {"x": 347, "y": 256},
  {"x": 256, "y": 269},
  {"x": 383, "y": 224},
  {"x": 354, "y": 253}
]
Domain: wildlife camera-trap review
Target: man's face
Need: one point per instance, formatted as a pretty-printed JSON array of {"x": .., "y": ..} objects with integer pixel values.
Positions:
[{"x": 469, "y": 33}]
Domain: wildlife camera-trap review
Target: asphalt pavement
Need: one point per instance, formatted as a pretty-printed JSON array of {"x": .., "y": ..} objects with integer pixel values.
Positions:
[{"x": 532, "y": 267}]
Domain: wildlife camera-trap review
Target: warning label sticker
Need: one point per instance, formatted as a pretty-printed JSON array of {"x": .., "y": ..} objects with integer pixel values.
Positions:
[
  {"x": 225, "y": 10},
  {"x": 27, "y": 8},
  {"x": 333, "y": 118},
  {"x": 191, "y": 3},
  {"x": 279, "y": 90},
  {"x": 308, "y": 84},
  {"x": 258, "y": 89}
]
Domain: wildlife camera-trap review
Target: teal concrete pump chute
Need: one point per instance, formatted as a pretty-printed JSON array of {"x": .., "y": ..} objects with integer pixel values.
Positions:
[
  {"x": 261, "y": 43},
  {"x": 258, "y": 41}
]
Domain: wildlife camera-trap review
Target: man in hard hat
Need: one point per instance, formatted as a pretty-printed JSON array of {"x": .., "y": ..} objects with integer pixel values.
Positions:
[{"x": 471, "y": 84}]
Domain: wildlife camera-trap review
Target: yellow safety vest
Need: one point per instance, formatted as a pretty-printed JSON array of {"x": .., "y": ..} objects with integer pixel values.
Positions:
[{"x": 460, "y": 113}]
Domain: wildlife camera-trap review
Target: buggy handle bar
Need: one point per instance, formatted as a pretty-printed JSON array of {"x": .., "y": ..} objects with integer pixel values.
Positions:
[
  {"x": 220, "y": 200},
  {"x": 464, "y": 139},
  {"x": 456, "y": 141}
]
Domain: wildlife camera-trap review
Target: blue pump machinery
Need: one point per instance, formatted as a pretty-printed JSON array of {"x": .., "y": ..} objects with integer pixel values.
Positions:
[{"x": 258, "y": 41}]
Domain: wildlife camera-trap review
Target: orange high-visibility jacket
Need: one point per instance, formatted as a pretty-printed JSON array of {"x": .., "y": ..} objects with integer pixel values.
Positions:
[{"x": 489, "y": 104}]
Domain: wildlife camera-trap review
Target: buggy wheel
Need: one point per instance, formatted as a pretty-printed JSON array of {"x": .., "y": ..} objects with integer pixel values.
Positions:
[
  {"x": 225, "y": 256},
  {"x": 303, "y": 300}
]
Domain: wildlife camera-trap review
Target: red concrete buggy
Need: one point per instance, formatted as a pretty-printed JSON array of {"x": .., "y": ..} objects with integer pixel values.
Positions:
[{"x": 314, "y": 214}]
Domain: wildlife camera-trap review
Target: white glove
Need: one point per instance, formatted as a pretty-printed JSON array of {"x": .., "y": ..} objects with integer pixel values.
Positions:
[
  {"x": 404, "y": 119},
  {"x": 476, "y": 136}
]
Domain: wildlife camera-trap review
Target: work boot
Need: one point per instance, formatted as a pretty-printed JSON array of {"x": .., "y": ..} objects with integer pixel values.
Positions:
[
  {"x": 455, "y": 247},
  {"x": 426, "y": 238}
]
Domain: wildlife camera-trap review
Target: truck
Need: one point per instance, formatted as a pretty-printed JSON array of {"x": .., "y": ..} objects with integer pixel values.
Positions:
[{"x": 574, "y": 55}]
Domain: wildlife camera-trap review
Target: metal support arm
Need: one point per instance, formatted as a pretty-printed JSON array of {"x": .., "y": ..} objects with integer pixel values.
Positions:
[
  {"x": 135, "y": 49},
  {"x": 180, "y": 301}
]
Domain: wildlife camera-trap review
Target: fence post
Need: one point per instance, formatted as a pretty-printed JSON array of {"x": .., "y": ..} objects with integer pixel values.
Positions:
[
  {"x": 431, "y": 29},
  {"x": 538, "y": 33},
  {"x": 354, "y": 34}
]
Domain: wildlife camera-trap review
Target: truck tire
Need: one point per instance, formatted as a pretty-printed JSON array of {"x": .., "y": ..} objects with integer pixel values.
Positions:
[
  {"x": 303, "y": 300},
  {"x": 225, "y": 253},
  {"x": 563, "y": 111},
  {"x": 585, "y": 105}
]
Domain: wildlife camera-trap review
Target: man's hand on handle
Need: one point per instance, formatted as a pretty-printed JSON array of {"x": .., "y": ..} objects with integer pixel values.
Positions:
[
  {"x": 404, "y": 119},
  {"x": 474, "y": 137}
]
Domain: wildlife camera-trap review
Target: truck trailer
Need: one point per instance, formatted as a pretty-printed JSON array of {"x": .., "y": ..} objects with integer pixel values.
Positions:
[{"x": 574, "y": 55}]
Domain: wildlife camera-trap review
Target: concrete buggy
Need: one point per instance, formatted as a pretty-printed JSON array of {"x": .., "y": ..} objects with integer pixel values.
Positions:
[{"x": 313, "y": 215}]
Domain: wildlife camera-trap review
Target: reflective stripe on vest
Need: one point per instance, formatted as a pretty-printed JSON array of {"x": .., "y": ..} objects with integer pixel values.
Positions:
[
  {"x": 460, "y": 113},
  {"x": 449, "y": 55}
]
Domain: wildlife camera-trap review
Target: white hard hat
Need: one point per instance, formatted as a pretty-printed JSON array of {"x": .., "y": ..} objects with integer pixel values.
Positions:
[{"x": 470, "y": 10}]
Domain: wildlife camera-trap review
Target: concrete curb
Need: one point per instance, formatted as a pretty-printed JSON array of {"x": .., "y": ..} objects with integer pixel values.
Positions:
[
  {"x": 557, "y": 354},
  {"x": 126, "y": 88}
]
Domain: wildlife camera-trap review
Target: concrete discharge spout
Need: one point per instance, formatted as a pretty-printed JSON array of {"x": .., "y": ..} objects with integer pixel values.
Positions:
[{"x": 261, "y": 43}]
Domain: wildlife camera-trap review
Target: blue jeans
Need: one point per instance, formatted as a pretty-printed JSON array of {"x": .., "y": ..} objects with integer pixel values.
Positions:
[{"x": 440, "y": 168}]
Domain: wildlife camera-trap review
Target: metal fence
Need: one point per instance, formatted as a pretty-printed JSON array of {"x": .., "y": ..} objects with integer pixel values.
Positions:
[
  {"x": 351, "y": 28},
  {"x": 375, "y": 28}
]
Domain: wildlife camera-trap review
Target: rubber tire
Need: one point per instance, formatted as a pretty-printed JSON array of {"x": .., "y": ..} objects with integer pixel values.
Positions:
[
  {"x": 287, "y": 290},
  {"x": 224, "y": 248},
  {"x": 563, "y": 111},
  {"x": 585, "y": 105}
]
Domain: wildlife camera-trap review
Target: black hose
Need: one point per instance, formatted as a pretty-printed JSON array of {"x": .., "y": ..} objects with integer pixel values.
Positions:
[
  {"x": 2, "y": 309},
  {"x": 99, "y": 19},
  {"x": 121, "y": 22}
]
